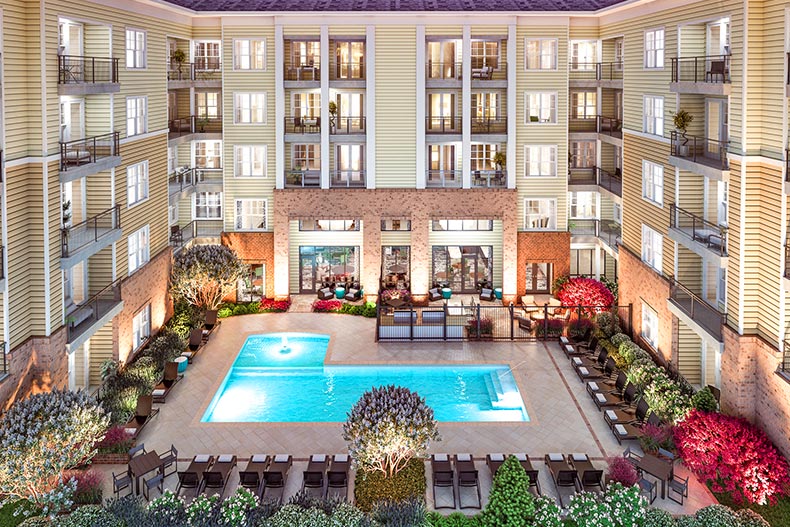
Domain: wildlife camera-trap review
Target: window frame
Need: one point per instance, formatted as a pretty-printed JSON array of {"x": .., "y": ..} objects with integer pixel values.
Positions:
[
  {"x": 144, "y": 116},
  {"x": 142, "y": 252},
  {"x": 208, "y": 206},
  {"x": 446, "y": 226},
  {"x": 237, "y": 217},
  {"x": 236, "y": 56},
  {"x": 649, "y": 173},
  {"x": 554, "y": 109},
  {"x": 237, "y": 161},
  {"x": 655, "y": 50},
  {"x": 237, "y": 109},
  {"x": 553, "y": 152},
  {"x": 584, "y": 95},
  {"x": 650, "y": 319},
  {"x": 573, "y": 204},
  {"x": 541, "y": 40},
  {"x": 143, "y": 182},
  {"x": 552, "y": 216},
  {"x": 652, "y": 116},
  {"x": 653, "y": 252},
  {"x": 141, "y": 334},
  {"x": 143, "y": 52}
]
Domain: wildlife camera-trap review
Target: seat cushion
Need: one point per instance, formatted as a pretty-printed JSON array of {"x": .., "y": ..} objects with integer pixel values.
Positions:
[
  {"x": 584, "y": 371},
  {"x": 577, "y": 456},
  {"x": 318, "y": 458},
  {"x": 341, "y": 458},
  {"x": 521, "y": 456},
  {"x": 496, "y": 457},
  {"x": 600, "y": 397},
  {"x": 281, "y": 458},
  {"x": 464, "y": 457},
  {"x": 555, "y": 457},
  {"x": 593, "y": 386},
  {"x": 259, "y": 458},
  {"x": 440, "y": 457},
  {"x": 612, "y": 415},
  {"x": 225, "y": 458},
  {"x": 201, "y": 458},
  {"x": 620, "y": 429}
]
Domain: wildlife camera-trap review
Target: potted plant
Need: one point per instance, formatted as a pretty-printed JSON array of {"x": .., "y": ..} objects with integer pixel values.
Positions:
[
  {"x": 682, "y": 119},
  {"x": 485, "y": 326},
  {"x": 500, "y": 160},
  {"x": 332, "y": 114},
  {"x": 179, "y": 57}
]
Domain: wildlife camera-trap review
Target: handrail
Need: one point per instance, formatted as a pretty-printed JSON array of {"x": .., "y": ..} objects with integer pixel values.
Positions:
[
  {"x": 488, "y": 72},
  {"x": 302, "y": 125},
  {"x": 349, "y": 71},
  {"x": 78, "y": 69},
  {"x": 609, "y": 181},
  {"x": 606, "y": 71},
  {"x": 489, "y": 125},
  {"x": 441, "y": 178},
  {"x": 697, "y": 307},
  {"x": 76, "y": 237},
  {"x": 609, "y": 125},
  {"x": 701, "y": 230},
  {"x": 181, "y": 125},
  {"x": 443, "y": 125},
  {"x": 443, "y": 70},
  {"x": 89, "y": 150},
  {"x": 97, "y": 306},
  {"x": 298, "y": 178},
  {"x": 598, "y": 228},
  {"x": 180, "y": 236},
  {"x": 702, "y": 150},
  {"x": 489, "y": 178},
  {"x": 2, "y": 262},
  {"x": 344, "y": 124},
  {"x": 302, "y": 72},
  {"x": 711, "y": 68},
  {"x": 347, "y": 178}
]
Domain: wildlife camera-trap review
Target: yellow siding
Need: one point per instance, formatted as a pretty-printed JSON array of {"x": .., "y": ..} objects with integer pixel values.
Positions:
[
  {"x": 689, "y": 347},
  {"x": 101, "y": 349}
]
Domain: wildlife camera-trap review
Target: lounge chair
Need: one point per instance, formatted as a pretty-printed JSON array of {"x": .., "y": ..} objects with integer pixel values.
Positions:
[
  {"x": 613, "y": 416},
  {"x": 434, "y": 294},
  {"x": 589, "y": 476},
  {"x": 523, "y": 322},
  {"x": 326, "y": 294},
  {"x": 169, "y": 379},
  {"x": 212, "y": 322},
  {"x": 354, "y": 293},
  {"x": 143, "y": 413},
  {"x": 532, "y": 473},
  {"x": 314, "y": 477},
  {"x": 442, "y": 470},
  {"x": 337, "y": 476},
  {"x": 606, "y": 399},
  {"x": 563, "y": 474},
  {"x": 467, "y": 475},
  {"x": 625, "y": 432},
  {"x": 587, "y": 371},
  {"x": 588, "y": 362},
  {"x": 571, "y": 350},
  {"x": 217, "y": 476},
  {"x": 494, "y": 461},
  {"x": 192, "y": 477},
  {"x": 487, "y": 294},
  {"x": 251, "y": 478},
  {"x": 589, "y": 346},
  {"x": 195, "y": 344},
  {"x": 276, "y": 475}
]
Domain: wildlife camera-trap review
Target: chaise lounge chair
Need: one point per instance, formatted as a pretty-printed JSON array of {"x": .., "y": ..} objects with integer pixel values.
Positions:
[
  {"x": 192, "y": 477},
  {"x": 169, "y": 379},
  {"x": 251, "y": 478},
  {"x": 589, "y": 476},
  {"x": 217, "y": 476},
  {"x": 337, "y": 476},
  {"x": 563, "y": 474},
  {"x": 467, "y": 475},
  {"x": 618, "y": 415},
  {"x": 276, "y": 476},
  {"x": 143, "y": 413},
  {"x": 494, "y": 461},
  {"x": 314, "y": 478},
  {"x": 442, "y": 471},
  {"x": 625, "y": 432}
]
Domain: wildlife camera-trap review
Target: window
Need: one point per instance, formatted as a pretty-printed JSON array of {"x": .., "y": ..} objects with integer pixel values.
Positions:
[
  {"x": 249, "y": 54},
  {"x": 306, "y": 157},
  {"x": 584, "y": 205},
  {"x": 136, "y": 116},
  {"x": 619, "y": 54},
  {"x": 208, "y": 154},
  {"x": 207, "y": 55},
  {"x": 582, "y": 154},
  {"x": 654, "y": 48},
  {"x": 617, "y": 213},
  {"x": 584, "y": 105},
  {"x": 484, "y": 106},
  {"x": 135, "y": 49},
  {"x": 541, "y": 54},
  {"x": 141, "y": 327},
  {"x": 541, "y": 160},
  {"x": 482, "y": 156},
  {"x": 396, "y": 225},
  {"x": 208, "y": 206},
  {"x": 136, "y": 183},
  {"x": 462, "y": 225},
  {"x": 541, "y": 108},
  {"x": 584, "y": 55},
  {"x": 138, "y": 249},
  {"x": 207, "y": 104},
  {"x": 249, "y": 108},
  {"x": 172, "y": 159},
  {"x": 582, "y": 262},
  {"x": 654, "y": 115},
  {"x": 252, "y": 287},
  {"x": 250, "y": 214},
  {"x": 652, "y": 247},
  {"x": 485, "y": 53},
  {"x": 328, "y": 225},
  {"x": 540, "y": 214},
  {"x": 649, "y": 325},
  {"x": 250, "y": 161},
  {"x": 538, "y": 277},
  {"x": 653, "y": 182},
  {"x": 172, "y": 214}
]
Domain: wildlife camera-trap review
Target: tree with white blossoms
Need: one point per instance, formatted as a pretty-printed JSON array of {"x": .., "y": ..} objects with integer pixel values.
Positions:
[
  {"x": 387, "y": 427},
  {"x": 205, "y": 274},
  {"x": 41, "y": 437}
]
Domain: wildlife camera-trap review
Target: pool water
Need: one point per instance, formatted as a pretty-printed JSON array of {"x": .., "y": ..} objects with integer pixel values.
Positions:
[{"x": 281, "y": 377}]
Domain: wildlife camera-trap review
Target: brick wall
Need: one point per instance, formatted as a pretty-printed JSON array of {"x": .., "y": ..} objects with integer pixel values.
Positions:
[
  {"x": 538, "y": 247},
  {"x": 39, "y": 364},
  {"x": 254, "y": 247}
]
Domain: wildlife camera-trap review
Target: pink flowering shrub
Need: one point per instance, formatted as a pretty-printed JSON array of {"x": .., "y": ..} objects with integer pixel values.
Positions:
[
  {"x": 269, "y": 305},
  {"x": 733, "y": 455},
  {"x": 622, "y": 471},
  {"x": 115, "y": 441},
  {"x": 89, "y": 485},
  {"x": 582, "y": 291},
  {"x": 327, "y": 306}
]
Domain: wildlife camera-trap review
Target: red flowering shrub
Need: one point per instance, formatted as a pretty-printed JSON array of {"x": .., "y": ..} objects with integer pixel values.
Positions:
[
  {"x": 581, "y": 291},
  {"x": 115, "y": 441},
  {"x": 622, "y": 470},
  {"x": 269, "y": 305},
  {"x": 327, "y": 306},
  {"x": 89, "y": 485},
  {"x": 733, "y": 455}
]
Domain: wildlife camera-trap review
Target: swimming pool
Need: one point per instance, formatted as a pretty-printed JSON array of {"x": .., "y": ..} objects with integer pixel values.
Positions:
[{"x": 281, "y": 377}]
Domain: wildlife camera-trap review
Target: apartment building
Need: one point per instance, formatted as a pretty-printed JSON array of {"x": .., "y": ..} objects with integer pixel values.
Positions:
[{"x": 429, "y": 144}]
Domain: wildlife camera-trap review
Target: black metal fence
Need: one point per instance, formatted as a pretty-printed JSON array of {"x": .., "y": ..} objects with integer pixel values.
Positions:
[
  {"x": 714, "y": 68},
  {"x": 74, "y": 69},
  {"x": 784, "y": 366}
]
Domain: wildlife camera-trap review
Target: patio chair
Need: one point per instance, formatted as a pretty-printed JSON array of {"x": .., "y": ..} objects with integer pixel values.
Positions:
[
  {"x": 487, "y": 294},
  {"x": 666, "y": 454},
  {"x": 137, "y": 450},
  {"x": 589, "y": 475},
  {"x": 630, "y": 455},
  {"x": 191, "y": 478},
  {"x": 625, "y": 432},
  {"x": 169, "y": 379},
  {"x": 217, "y": 476},
  {"x": 494, "y": 461},
  {"x": 648, "y": 489},
  {"x": 354, "y": 293},
  {"x": 612, "y": 416},
  {"x": 326, "y": 294},
  {"x": 154, "y": 482},
  {"x": 483, "y": 73},
  {"x": 251, "y": 478},
  {"x": 169, "y": 459},
  {"x": 314, "y": 477},
  {"x": 679, "y": 487},
  {"x": 434, "y": 294},
  {"x": 337, "y": 475},
  {"x": 532, "y": 473},
  {"x": 467, "y": 475},
  {"x": 563, "y": 474},
  {"x": 276, "y": 475},
  {"x": 571, "y": 350},
  {"x": 143, "y": 413},
  {"x": 443, "y": 477},
  {"x": 717, "y": 69},
  {"x": 121, "y": 482},
  {"x": 590, "y": 363},
  {"x": 212, "y": 322},
  {"x": 176, "y": 235}
]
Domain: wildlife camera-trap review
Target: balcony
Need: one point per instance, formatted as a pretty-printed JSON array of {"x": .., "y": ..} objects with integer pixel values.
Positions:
[
  {"x": 84, "y": 157},
  {"x": 185, "y": 126},
  {"x": 85, "y": 239},
  {"x": 302, "y": 73},
  {"x": 696, "y": 310},
  {"x": 440, "y": 178},
  {"x": 302, "y": 125},
  {"x": 87, "y": 318},
  {"x": 203, "y": 73},
  {"x": 490, "y": 75},
  {"x": 302, "y": 178},
  {"x": 347, "y": 71},
  {"x": 708, "y": 75},
  {"x": 612, "y": 182},
  {"x": 784, "y": 366},
  {"x": 181, "y": 237},
  {"x": 582, "y": 176},
  {"x": 347, "y": 179},
  {"x": 699, "y": 235},
  {"x": 787, "y": 88},
  {"x": 443, "y": 71},
  {"x": 345, "y": 125},
  {"x": 443, "y": 125},
  {"x": 610, "y": 126},
  {"x": 79, "y": 75},
  {"x": 489, "y": 178},
  {"x": 187, "y": 180},
  {"x": 594, "y": 74},
  {"x": 608, "y": 231},
  {"x": 700, "y": 155},
  {"x": 484, "y": 125}
]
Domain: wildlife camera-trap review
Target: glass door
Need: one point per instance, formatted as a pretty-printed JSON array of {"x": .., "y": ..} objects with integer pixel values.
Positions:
[
  {"x": 441, "y": 60},
  {"x": 350, "y": 109},
  {"x": 441, "y": 113},
  {"x": 469, "y": 277},
  {"x": 442, "y": 166},
  {"x": 306, "y": 270},
  {"x": 715, "y": 128}
]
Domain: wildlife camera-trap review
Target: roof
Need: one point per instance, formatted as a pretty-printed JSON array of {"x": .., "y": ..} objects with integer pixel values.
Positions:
[{"x": 395, "y": 5}]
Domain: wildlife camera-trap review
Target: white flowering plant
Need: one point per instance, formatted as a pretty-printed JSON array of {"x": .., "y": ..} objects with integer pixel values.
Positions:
[
  {"x": 167, "y": 508},
  {"x": 235, "y": 509},
  {"x": 627, "y": 506},
  {"x": 201, "y": 510},
  {"x": 586, "y": 510}
]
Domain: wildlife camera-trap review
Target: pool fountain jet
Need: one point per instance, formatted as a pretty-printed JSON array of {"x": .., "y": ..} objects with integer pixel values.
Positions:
[{"x": 285, "y": 348}]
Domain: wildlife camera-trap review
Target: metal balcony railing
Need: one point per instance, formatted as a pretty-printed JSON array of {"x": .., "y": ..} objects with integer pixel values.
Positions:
[
  {"x": 347, "y": 179},
  {"x": 608, "y": 231},
  {"x": 489, "y": 178},
  {"x": 348, "y": 71},
  {"x": 700, "y": 230},
  {"x": 302, "y": 72},
  {"x": 699, "y": 310},
  {"x": 89, "y": 150},
  {"x": 181, "y": 126},
  {"x": 490, "y": 71},
  {"x": 443, "y": 125},
  {"x": 204, "y": 68},
  {"x": 489, "y": 125},
  {"x": 788, "y": 71},
  {"x": 713, "y": 69},
  {"x": 302, "y": 125},
  {"x": 347, "y": 125},
  {"x": 442, "y": 70},
  {"x": 190, "y": 177},
  {"x": 787, "y": 259},
  {"x": 787, "y": 164},
  {"x": 607, "y": 71},
  {"x": 93, "y": 309},
  {"x": 180, "y": 236},
  {"x": 611, "y": 126},
  {"x": 709, "y": 152},
  {"x": 441, "y": 178},
  {"x": 2, "y": 262},
  {"x": 296, "y": 178},
  {"x": 79, "y": 236},
  {"x": 77, "y": 69},
  {"x": 784, "y": 366},
  {"x": 610, "y": 181},
  {"x": 581, "y": 175}
]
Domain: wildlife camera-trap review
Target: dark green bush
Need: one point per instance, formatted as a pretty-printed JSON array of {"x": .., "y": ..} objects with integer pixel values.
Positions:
[
  {"x": 409, "y": 513},
  {"x": 365, "y": 310},
  {"x": 89, "y": 516},
  {"x": 372, "y": 487},
  {"x": 164, "y": 348},
  {"x": 704, "y": 400},
  {"x": 456, "y": 519},
  {"x": 510, "y": 504},
  {"x": 36, "y": 521},
  {"x": 185, "y": 318}
]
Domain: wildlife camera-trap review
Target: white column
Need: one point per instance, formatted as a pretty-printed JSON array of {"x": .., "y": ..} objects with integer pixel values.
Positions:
[
  {"x": 279, "y": 108},
  {"x": 466, "y": 108},
  {"x": 511, "y": 106},
  {"x": 370, "y": 106},
  {"x": 325, "y": 107},
  {"x": 420, "y": 143}
]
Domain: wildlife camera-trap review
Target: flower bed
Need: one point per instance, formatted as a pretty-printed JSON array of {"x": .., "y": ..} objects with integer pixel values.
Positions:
[
  {"x": 327, "y": 306},
  {"x": 267, "y": 305}
]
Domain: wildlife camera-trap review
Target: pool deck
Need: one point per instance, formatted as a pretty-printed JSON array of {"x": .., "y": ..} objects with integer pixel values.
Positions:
[{"x": 563, "y": 418}]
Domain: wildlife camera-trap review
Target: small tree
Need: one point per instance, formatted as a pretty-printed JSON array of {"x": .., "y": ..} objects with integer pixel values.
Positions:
[
  {"x": 682, "y": 119},
  {"x": 44, "y": 435},
  {"x": 387, "y": 427},
  {"x": 204, "y": 274},
  {"x": 510, "y": 503}
]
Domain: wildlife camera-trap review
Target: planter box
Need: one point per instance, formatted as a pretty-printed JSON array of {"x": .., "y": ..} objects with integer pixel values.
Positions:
[{"x": 110, "y": 459}]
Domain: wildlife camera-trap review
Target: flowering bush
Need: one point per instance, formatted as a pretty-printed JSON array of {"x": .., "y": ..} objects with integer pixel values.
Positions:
[
  {"x": 88, "y": 485},
  {"x": 269, "y": 305},
  {"x": 550, "y": 327},
  {"x": 327, "y": 306},
  {"x": 88, "y": 516},
  {"x": 733, "y": 456},
  {"x": 749, "y": 518},
  {"x": 666, "y": 398},
  {"x": 622, "y": 471},
  {"x": 200, "y": 512},
  {"x": 205, "y": 274},
  {"x": 547, "y": 514},
  {"x": 717, "y": 516},
  {"x": 579, "y": 328},
  {"x": 234, "y": 510},
  {"x": 659, "y": 518},
  {"x": 654, "y": 437},
  {"x": 115, "y": 441},
  {"x": 167, "y": 508},
  {"x": 618, "y": 338},
  {"x": 582, "y": 291},
  {"x": 510, "y": 503},
  {"x": 395, "y": 294},
  {"x": 640, "y": 374},
  {"x": 586, "y": 510},
  {"x": 486, "y": 326},
  {"x": 626, "y": 504}
]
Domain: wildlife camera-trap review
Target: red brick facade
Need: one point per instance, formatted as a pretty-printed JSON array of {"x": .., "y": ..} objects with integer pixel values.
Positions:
[
  {"x": 543, "y": 247},
  {"x": 254, "y": 247}
]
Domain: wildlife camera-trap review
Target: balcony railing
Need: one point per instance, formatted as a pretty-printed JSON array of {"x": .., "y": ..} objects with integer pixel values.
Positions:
[
  {"x": 89, "y": 150},
  {"x": 697, "y": 308},
  {"x": 303, "y": 178},
  {"x": 347, "y": 125},
  {"x": 611, "y": 126},
  {"x": 787, "y": 259},
  {"x": 714, "y": 69},
  {"x": 581, "y": 176},
  {"x": 440, "y": 178},
  {"x": 2, "y": 262},
  {"x": 181, "y": 126},
  {"x": 709, "y": 152},
  {"x": 79, "y": 236},
  {"x": 583, "y": 124},
  {"x": 190, "y": 177},
  {"x": 608, "y": 231},
  {"x": 489, "y": 178},
  {"x": 700, "y": 230},
  {"x": 787, "y": 164},
  {"x": 347, "y": 179},
  {"x": 492, "y": 125},
  {"x": 181, "y": 236},
  {"x": 75, "y": 69},
  {"x": 610, "y": 181},
  {"x": 194, "y": 124},
  {"x": 348, "y": 71},
  {"x": 442, "y": 70},
  {"x": 443, "y": 125},
  {"x": 302, "y": 125},
  {"x": 93, "y": 309},
  {"x": 788, "y": 71},
  {"x": 607, "y": 71},
  {"x": 784, "y": 366},
  {"x": 206, "y": 68},
  {"x": 302, "y": 72},
  {"x": 489, "y": 72}
]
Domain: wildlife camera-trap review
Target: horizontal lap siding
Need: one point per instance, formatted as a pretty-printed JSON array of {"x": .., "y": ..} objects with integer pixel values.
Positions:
[
  {"x": 395, "y": 238},
  {"x": 766, "y": 104},
  {"x": 101, "y": 349},
  {"x": 691, "y": 190},
  {"x": 346, "y": 31},
  {"x": 689, "y": 269},
  {"x": 689, "y": 354},
  {"x": 55, "y": 215},
  {"x": 734, "y": 229}
]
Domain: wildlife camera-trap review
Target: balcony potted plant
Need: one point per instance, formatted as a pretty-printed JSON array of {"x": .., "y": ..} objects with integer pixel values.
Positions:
[
  {"x": 682, "y": 119},
  {"x": 500, "y": 160},
  {"x": 332, "y": 115},
  {"x": 179, "y": 57}
]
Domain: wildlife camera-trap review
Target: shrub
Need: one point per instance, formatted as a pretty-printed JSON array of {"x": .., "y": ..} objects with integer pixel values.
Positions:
[
  {"x": 559, "y": 283},
  {"x": 327, "y": 306},
  {"x": 704, "y": 401},
  {"x": 618, "y": 338},
  {"x": 292, "y": 515},
  {"x": 654, "y": 437},
  {"x": 510, "y": 504},
  {"x": 409, "y": 513},
  {"x": 732, "y": 456},
  {"x": 580, "y": 328},
  {"x": 249, "y": 308},
  {"x": 234, "y": 510},
  {"x": 665, "y": 397},
  {"x": 622, "y": 471},
  {"x": 370, "y": 487},
  {"x": 456, "y": 519},
  {"x": 486, "y": 326},
  {"x": 626, "y": 504},
  {"x": 202, "y": 511},
  {"x": 269, "y": 305},
  {"x": 165, "y": 348},
  {"x": 367, "y": 309},
  {"x": 717, "y": 516},
  {"x": 88, "y": 516},
  {"x": 586, "y": 510},
  {"x": 185, "y": 318},
  {"x": 608, "y": 323},
  {"x": 115, "y": 441},
  {"x": 167, "y": 508},
  {"x": 582, "y": 291},
  {"x": 641, "y": 374},
  {"x": 89, "y": 486},
  {"x": 205, "y": 274},
  {"x": 547, "y": 514},
  {"x": 44, "y": 435},
  {"x": 628, "y": 351},
  {"x": 749, "y": 518},
  {"x": 659, "y": 518},
  {"x": 36, "y": 521},
  {"x": 346, "y": 515},
  {"x": 550, "y": 327},
  {"x": 224, "y": 312},
  {"x": 129, "y": 509}
]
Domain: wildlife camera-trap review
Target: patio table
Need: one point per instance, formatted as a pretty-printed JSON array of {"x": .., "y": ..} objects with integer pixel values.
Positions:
[
  {"x": 142, "y": 465},
  {"x": 657, "y": 467}
]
